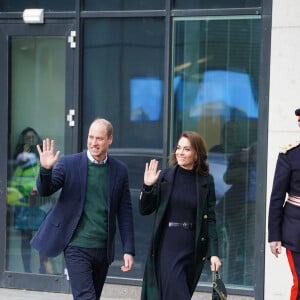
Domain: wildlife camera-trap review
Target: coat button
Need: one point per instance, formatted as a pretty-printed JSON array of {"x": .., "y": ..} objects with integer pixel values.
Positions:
[
  {"x": 205, "y": 217},
  {"x": 203, "y": 258},
  {"x": 202, "y": 239}
]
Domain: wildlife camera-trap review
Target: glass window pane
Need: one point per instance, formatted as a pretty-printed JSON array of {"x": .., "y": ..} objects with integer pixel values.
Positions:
[
  {"x": 215, "y": 84},
  {"x": 53, "y": 5},
  {"x": 123, "y": 79},
  {"x": 143, "y": 224},
  {"x": 196, "y": 4},
  {"x": 123, "y": 4},
  {"x": 123, "y": 82},
  {"x": 37, "y": 88}
]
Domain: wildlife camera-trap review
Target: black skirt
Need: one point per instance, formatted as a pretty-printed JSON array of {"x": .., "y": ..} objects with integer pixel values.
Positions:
[{"x": 175, "y": 263}]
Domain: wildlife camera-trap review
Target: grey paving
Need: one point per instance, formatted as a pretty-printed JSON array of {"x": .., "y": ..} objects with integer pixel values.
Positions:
[
  {"x": 13, "y": 294},
  {"x": 110, "y": 292}
]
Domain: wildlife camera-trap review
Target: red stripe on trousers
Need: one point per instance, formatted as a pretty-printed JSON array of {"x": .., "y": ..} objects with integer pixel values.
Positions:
[{"x": 294, "y": 289}]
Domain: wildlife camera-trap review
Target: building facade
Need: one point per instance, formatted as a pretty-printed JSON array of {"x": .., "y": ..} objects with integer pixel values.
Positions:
[
  {"x": 282, "y": 124},
  {"x": 154, "y": 69}
]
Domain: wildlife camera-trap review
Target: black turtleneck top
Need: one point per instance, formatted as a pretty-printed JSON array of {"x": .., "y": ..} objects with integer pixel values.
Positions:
[{"x": 182, "y": 205}]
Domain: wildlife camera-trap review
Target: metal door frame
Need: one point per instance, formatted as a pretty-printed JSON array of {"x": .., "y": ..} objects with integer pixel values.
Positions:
[{"x": 9, "y": 28}]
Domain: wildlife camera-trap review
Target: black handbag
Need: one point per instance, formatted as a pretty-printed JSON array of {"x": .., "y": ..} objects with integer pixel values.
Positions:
[{"x": 219, "y": 291}]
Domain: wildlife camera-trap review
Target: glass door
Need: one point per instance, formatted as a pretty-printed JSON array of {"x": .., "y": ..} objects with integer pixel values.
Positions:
[{"x": 39, "y": 93}]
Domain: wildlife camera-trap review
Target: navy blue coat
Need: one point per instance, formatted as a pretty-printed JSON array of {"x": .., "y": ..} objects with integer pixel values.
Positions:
[
  {"x": 284, "y": 218},
  {"x": 70, "y": 175},
  {"x": 206, "y": 241}
]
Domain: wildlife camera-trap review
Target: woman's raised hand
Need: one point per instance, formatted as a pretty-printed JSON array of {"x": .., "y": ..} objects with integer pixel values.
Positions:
[
  {"x": 151, "y": 173},
  {"x": 47, "y": 157}
]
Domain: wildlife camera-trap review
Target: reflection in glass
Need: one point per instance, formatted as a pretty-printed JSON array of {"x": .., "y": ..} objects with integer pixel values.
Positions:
[
  {"x": 37, "y": 100},
  {"x": 123, "y": 79},
  {"x": 123, "y": 82},
  {"x": 215, "y": 85},
  {"x": 146, "y": 96},
  {"x": 143, "y": 224},
  {"x": 22, "y": 195}
]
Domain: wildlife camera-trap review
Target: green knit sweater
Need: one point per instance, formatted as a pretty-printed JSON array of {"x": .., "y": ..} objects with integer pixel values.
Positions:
[{"x": 91, "y": 231}]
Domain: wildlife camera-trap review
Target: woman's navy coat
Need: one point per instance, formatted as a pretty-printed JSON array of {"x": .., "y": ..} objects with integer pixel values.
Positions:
[{"x": 206, "y": 242}]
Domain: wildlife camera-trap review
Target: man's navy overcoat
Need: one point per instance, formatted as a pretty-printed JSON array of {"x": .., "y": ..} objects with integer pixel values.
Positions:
[{"x": 70, "y": 177}]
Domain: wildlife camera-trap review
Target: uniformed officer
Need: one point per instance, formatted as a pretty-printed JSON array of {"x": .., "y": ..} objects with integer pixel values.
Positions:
[{"x": 284, "y": 210}]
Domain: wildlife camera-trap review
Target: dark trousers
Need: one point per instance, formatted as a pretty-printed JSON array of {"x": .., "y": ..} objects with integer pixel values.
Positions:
[
  {"x": 87, "y": 269},
  {"x": 294, "y": 262}
]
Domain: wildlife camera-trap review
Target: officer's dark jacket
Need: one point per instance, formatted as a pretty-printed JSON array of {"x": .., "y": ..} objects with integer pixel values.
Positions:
[{"x": 284, "y": 218}]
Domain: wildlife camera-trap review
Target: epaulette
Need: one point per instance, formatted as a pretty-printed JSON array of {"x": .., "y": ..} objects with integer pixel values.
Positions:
[{"x": 286, "y": 148}]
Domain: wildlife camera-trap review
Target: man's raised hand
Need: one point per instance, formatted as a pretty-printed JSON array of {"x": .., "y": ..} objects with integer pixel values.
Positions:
[{"x": 47, "y": 157}]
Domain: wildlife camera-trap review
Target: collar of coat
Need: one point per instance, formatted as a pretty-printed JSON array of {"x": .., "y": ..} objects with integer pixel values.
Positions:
[{"x": 169, "y": 173}]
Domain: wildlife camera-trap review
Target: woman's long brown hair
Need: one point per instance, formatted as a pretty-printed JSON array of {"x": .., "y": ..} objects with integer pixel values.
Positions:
[{"x": 199, "y": 145}]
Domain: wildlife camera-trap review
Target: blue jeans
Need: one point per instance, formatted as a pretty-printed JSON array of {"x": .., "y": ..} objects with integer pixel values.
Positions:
[{"x": 87, "y": 269}]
